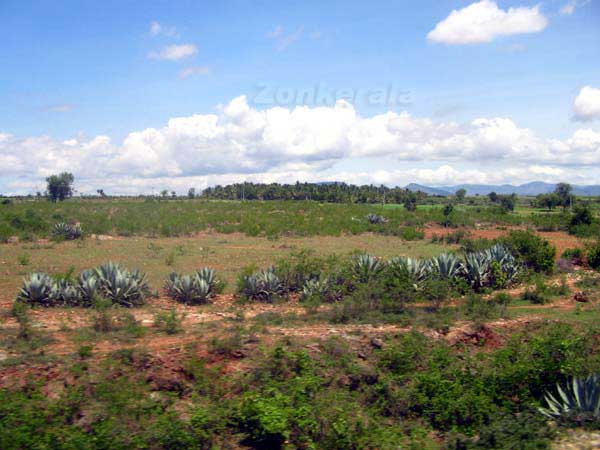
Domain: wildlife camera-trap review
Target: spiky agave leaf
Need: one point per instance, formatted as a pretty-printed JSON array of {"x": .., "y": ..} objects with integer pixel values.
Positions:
[
  {"x": 366, "y": 267},
  {"x": 264, "y": 285},
  {"x": 579, "y": 397},
  {"x": 210, "y": 277},
  {"x": 190, "y": 289},
  {"x": 66, "y": 231},
  {"x": 65, "y": 293},
  {"x": 418, "y": 270},
  {"x": 38, "y": 289},
  {"x": 88, "y": 287},
  {"x": 316, "y": 288},
  {"x": 477, "y": 268},
  {"x": 499, "y": 253},
  {"x": 447, "y": 266},
  {"x": 122, "y": 286}
]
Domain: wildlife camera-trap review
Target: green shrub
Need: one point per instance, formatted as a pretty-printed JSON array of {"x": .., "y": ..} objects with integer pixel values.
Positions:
[
  {"x": 6, "y": 231},
  {"x": 593, "y": 255},
  {"x": 411, "y": 234},
  {"x": 574, "y": 254},
  {"x": 170, "y": 323},
  {"x": 300, "y": 267},
  {"x": 525, "y": 430},
  {"x": 532, "y": 250}
]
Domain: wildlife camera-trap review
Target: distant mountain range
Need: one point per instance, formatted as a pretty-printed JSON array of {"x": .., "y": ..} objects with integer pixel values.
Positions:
[{"x": 533, "y": 188}]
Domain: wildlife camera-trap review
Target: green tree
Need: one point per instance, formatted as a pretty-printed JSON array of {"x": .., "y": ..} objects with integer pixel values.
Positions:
[
  {"x": 410, "y": 202},
  {"x": 564, "y": 191},
  {"x": 460, "y": 194},
  {"x": 192, "y": 193},
  {"x": 549, "y": 201},
  {"x": 508, "y": 202},
  {"x": 60, "y": 187},
  {"x": 447, "y": 212},
  {"x": 493, "y": 197},
  {"x": 582, "y": 216}
]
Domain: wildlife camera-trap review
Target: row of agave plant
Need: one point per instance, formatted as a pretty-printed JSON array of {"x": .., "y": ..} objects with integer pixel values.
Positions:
[
  {"x": 479, "y": 269},
  {"x": 119, "y": 285},
  {"x": 495, "y": 267},
  {"x": 111, "y": 281}
]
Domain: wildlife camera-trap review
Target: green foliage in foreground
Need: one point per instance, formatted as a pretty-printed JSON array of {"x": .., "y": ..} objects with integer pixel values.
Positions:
[{"x": 400, "y": 394}]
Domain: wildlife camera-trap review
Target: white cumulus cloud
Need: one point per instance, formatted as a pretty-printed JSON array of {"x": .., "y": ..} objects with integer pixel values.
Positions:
[
  {"x": 302, "y": 143},
  {"x": 570, "y": 7},
  {"x": 587, "y": 104},
  {"x": 174, "y": 52},
  {"x": 157, "y": 29},
  {"x": 191, "y": 71},
  {"x": 483, "y": 21}
]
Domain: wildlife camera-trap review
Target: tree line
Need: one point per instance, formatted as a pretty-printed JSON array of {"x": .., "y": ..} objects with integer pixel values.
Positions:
[{"x": 322, "y": 192}]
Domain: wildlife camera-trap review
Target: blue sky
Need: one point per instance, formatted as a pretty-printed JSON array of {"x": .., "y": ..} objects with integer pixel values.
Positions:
[{"x": 501, "y": 92}]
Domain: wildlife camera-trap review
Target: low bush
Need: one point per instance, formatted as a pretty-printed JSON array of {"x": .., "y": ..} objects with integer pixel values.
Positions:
[
  {"x": 573, "y": 254},
  {"x": 169, "y": 322},
  {"x": 300, "y": 267},
  {"x": 593, "y": 255},
  {"x": 542, "y": 293},
  {"x": 532, "y": 250},
  {"x": 411, "y": 234}
]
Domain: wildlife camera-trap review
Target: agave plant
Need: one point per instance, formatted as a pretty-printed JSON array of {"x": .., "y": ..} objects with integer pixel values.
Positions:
[
  {"x": 314, "y": 288},
  {"x": 376, "y": 219},
  {"x": 505, "y": 259},
  {"x": 210, "y": 277},
  {"x": 366, "y": 267},
  {"x": 190, "y": 289},
  {"x": 38, "y": 289},
  {"x": 264, "y": 285},
  {"x": 65, "y": 293},
  {"x": 447, "y": 266},
  {"x": 477, "y": 269},
  {"x": 578, "y": 400},
  {"x": 122, "y": 286},
  {"x": 88, "y": 287},
  {"x": 418, "y": 270},
  {"x": 64, "y": 230}
]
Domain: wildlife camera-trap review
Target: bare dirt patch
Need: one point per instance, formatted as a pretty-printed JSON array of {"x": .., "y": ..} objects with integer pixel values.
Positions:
[{"x": 560, "y": 239}]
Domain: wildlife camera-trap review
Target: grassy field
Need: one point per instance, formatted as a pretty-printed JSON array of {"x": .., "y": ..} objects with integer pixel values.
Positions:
[
  {"x": 151, "y": 217},
  {"x": 390, "y": 364},
  {"x": 227, "y": 253}
]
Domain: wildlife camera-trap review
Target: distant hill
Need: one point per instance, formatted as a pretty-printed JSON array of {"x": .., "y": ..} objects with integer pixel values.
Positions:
[
  {"x": 533, "y": 188},
  {"x": 444, "y": 192}
]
